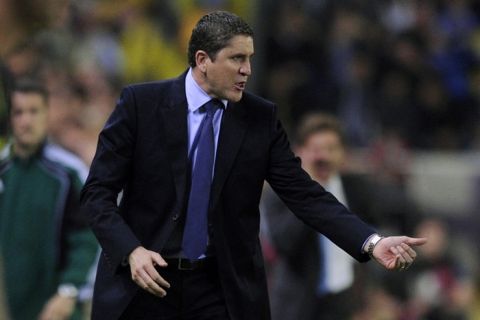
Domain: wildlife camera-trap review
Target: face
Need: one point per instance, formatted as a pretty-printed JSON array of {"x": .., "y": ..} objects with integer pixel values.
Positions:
[
  {"x": 29, "y": 119},
  {"x": 322, "y": 155},
  {"x": 226, "y": 75}
]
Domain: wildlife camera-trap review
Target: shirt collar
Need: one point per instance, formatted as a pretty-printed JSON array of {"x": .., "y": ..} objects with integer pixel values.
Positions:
[
  {"x": 334, "y": 183},
  {"x": 9, "y": 153},
  {"x": 196, "y": 96}
]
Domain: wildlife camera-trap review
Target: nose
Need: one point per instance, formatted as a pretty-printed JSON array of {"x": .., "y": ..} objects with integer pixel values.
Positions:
[
  {"x": 23, "y": 118},
  {"x": 246, "y": 69},
  {"x": 30, "y": 116}
]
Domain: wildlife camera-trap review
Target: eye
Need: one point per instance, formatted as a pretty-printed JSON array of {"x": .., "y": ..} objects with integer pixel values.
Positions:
[{"x": 237, "y": 58}]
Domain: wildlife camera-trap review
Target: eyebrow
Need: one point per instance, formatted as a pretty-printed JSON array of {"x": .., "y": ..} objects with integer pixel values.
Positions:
[{"x": 242, "y": 55}]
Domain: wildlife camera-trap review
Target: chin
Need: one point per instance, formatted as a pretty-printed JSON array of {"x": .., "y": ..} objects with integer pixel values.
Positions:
[
  {"x": 322, "y": 176},
  {"x": 235, "y": 97}
]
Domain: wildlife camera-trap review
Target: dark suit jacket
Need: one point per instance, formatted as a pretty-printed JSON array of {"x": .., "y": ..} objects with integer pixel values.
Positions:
[
  {"x": 143, "y": 150},
  {"x": 296, "y": 272}
]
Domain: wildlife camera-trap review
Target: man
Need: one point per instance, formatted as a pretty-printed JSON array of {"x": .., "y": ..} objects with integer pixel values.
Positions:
[
  {"x": 313, "y": 278},
  {"x": 191, "y": 155},
  {"x": 47, "y": 248}
]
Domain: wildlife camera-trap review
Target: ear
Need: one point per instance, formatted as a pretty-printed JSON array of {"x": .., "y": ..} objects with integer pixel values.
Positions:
[{"x": 201, "y": 59}]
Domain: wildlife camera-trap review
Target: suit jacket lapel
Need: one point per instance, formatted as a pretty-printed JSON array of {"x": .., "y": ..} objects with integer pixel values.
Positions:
[
  {"x": 173, "y": 115},
  {"x": 232, "y": 132}
]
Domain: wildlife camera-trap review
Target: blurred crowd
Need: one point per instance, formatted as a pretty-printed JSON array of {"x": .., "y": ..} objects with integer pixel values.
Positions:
[
  {"x": 405, "y": 69},
  {"x": 85, "y": 51},
  {"x": 400, "y": 75}
]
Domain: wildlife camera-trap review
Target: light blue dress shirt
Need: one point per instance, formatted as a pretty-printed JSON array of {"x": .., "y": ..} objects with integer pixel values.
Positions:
[{"x": 197, "y": 97}]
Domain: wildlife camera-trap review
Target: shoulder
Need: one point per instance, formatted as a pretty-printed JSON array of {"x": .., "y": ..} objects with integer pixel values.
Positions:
[
  {"x": 67, "y": 161},
  {"x": 5, "y": 159},
  {"x": 146, "y": 89},
  {"x": 257, "y": 107},
  {"x": 253, "y": 100},
  {"x": 155, "y": 89},
  {"x": 5, "y": 152}
]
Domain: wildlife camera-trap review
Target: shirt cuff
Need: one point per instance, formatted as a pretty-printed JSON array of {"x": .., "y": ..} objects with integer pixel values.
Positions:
[{"x": 367, "y": 242}]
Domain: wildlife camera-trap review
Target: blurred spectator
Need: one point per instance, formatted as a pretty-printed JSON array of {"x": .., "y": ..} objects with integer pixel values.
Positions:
[
  {"x": 47, "y": 248},
  {"x": 150, "y": 53},
  {"x": 452, "y": 54},
  {"x": 5, "y": 84},
  {"x": 378, "y": 305},
  {"x": 370, "y": 62},
  {"x": 474, "y": 85},
  {"x": 402, "y": 75},
  {"x": 3, "y": 301},
  {"x": 442, "y": 287},
  {"x": 292, "y": 49},
  {"x": 389, "y": 161},
  {"x": 313, "y": 278},
  {"x": 394, "y": 106},
  {"x": 20, "y": 20},
  {"x": 440, "y": 120},
  {"x": 398, "y": 15},
  {"x": 356, "y": 103}
]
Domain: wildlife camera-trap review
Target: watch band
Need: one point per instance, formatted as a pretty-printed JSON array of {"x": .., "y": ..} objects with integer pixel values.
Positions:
[{"x": 374, "y": 240}]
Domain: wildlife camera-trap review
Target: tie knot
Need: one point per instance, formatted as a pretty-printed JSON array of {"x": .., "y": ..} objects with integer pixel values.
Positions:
[{"x": 212, "y": 106}]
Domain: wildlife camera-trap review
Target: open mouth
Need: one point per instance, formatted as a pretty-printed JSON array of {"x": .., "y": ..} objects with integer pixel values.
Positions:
[
  {"x": 322, "y": 165},
  {"x": 240, "y": 85}
]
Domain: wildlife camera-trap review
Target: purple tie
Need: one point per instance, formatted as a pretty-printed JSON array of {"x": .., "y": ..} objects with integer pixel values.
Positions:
[{"x": 195, "y": 234}]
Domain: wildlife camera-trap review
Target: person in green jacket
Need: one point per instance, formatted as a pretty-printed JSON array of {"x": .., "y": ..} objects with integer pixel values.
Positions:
[{"x": 48, "y": 251}]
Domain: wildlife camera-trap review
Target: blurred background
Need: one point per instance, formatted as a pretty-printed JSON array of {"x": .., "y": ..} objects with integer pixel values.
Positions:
[{"x": 403, "y": 77}]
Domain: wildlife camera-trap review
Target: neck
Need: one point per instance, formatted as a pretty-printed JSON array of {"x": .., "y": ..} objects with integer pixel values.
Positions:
[
  {"x": 24, "y": 151},
  {"x": 323, "y": 180},
  {"x": 199, "y": 78}
]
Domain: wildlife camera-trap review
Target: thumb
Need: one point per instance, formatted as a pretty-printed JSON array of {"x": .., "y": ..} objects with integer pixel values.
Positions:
[
  {"x": 157, "y": 258},
  {"x": 416, "y": 241}
]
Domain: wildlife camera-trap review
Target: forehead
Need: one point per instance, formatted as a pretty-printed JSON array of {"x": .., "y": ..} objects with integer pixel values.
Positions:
[
  {"x": 27, "y": 99},
  {"x": 323, "y": 136},
  {"x": 240, "y": 43}
]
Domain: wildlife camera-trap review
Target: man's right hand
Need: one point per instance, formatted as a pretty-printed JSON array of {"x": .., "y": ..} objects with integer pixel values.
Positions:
[{"x": 142, "y": 267}]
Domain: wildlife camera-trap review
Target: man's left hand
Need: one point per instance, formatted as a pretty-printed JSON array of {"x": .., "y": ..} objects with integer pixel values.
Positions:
[
  {"x": 58, "y": 308},
  {"x": 396, "y": 253}
]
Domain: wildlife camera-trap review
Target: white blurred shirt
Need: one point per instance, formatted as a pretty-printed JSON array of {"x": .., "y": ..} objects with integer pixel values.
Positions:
[{"x": 338, "y": 270}]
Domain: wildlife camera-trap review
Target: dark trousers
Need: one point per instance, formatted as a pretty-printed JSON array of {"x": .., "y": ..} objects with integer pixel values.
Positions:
[{"x": 193, "y": 295}]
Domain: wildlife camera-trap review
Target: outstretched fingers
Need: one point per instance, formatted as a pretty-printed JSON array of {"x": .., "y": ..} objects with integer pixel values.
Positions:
[
  {"x": 415, "y": 241},
  {"x": 405, "y": 256}
]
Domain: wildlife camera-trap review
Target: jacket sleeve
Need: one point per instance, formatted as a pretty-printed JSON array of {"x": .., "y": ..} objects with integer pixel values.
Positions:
[
  {"x": 109, "y": 172},
  {"x": 309, "y": 201}
]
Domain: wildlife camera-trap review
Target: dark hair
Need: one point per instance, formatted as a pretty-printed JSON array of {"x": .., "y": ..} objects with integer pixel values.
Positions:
[
  {"x": 317, "y": 123},
  {"x": 31, "y": 86},
  {"x": 213, "y": 32}
]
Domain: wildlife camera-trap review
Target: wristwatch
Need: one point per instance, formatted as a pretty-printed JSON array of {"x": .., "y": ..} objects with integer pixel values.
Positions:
[
  {"x": 374, "y": 240},
  {"x": 67, "y": 290}
]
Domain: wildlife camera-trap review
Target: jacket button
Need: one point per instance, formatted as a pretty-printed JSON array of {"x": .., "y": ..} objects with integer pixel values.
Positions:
[{"x": 175, "y": 217}]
